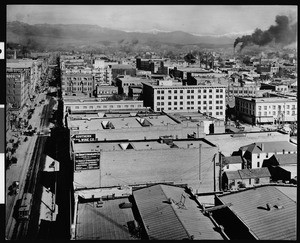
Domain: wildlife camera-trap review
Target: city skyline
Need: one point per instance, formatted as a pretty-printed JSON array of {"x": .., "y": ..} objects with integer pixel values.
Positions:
[{"x": 223, "y": 19}]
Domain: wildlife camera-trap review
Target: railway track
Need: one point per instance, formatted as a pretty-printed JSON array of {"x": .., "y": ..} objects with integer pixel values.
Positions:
[{"x": 26, "y": 229}]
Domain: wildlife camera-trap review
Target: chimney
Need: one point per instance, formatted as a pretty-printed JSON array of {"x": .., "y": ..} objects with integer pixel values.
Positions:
[
  {"x": 262, "y": 147},
  {"x": 15, "y": 54}
]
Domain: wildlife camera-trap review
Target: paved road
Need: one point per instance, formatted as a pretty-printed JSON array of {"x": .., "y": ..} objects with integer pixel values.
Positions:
[{"x": 32, "y": 148}]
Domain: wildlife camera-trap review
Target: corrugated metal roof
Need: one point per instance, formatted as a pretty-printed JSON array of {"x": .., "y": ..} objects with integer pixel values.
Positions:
[
  {"x": 164, "y": 221},
  {"x": 250, "y": 206}
]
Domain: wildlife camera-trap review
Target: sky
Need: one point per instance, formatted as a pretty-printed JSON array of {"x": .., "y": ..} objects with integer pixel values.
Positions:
[{"x": 194, "y": 19}]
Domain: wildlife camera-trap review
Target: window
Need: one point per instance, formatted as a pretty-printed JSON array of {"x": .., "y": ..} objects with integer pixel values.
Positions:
[
  {"x": 175, "y": 91},
  {"x": 210, "y": 102},
  {"x": 162, "y": 103},
  {"x": 84, "y": 107},
  {"x": 158, "y": 91},
  {"x": 217, "y": 102},
  {"x": 158, "y": 103},
  {"x": 169, "y": 103},
  {"x": 162, "y": 92},
  {"x": 158, "y": 97},
  {"x": 256, "y": 180},
  {"x": 188, "y": 102},
  {"x": 217, "y": 113},
  {"x": 76, "y": 107},
  {"x": 221, "y": 113},
  {"x": 158, "y": 109},
  {"x": 188, "y": 91},
  {"x": 267, "y": 155},
  {"x": 199, "y": 96},
  {"x": 192, "y": 91},
  {"x": 258, "y": 156},
  {"x": 259, "y": 113},
  {"x": 265, "y": 113},
  {"x": 288, "y": 106},
  {"x": 210, "y": 107},
  {"x": 181, "y": 91},
  {"x": 217, "y": 96},
  {"x": 91, "y": 107},
  {"x": 217, "y": 90},
  {"x": 287, "y": 112},
  {"x": 175, "y": 103},
  {"x": 210, "y": 91},
  {"x": 258, "y": 164},
  {"x": 199, "y": 90},
  {"x": 181, "y": 97},
  {"x": 162, "y": 97},
  {"x": 199, "y": 102},
  {"x": 204, "y": 90},
  {"x": 170, "y": 91},
  {"x": 181, "y": 102},
  {"x": 249, "y": 181},
  {"x": 188, "y": 97},
  {"x": 265, "y": 107},
  {"x": 169, "y": 97},
  {"x": 204, "y": 97},
  {"x": 204, "y": 102},
  {"x": 175, "y": 97},
  {"x": 210, "y": 96},
  {"x": 274, "y": 113}
]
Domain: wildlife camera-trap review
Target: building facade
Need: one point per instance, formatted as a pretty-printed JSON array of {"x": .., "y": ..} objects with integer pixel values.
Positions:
[
  {"x": 168, "y": 95},
  {"x": 266, "y": 109}
]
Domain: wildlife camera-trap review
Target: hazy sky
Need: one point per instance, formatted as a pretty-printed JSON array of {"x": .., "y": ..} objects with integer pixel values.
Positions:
[{"x": 196, "y": 19}]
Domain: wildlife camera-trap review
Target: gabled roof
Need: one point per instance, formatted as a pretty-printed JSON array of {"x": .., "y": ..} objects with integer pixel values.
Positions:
[
  {"x": 254, "y": 173},
  {"x": 248, "y": 173},
  {"x": 269, "y": 147},
  {"x": 233, "y": 160},
  {"x": 177, "y": 220},
  {"x": 282, "y": 159},
  {"x": 250, "y": 207}
]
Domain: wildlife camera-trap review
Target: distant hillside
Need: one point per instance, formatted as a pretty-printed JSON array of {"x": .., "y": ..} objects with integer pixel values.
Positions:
[{"x": 50, "y": 36}]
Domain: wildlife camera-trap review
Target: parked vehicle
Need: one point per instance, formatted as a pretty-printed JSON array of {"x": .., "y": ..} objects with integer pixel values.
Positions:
[{"x": 14, "y": 188}]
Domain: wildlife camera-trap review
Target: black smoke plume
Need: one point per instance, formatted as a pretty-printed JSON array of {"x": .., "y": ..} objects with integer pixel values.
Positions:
[{"x": 281, "y": 33}]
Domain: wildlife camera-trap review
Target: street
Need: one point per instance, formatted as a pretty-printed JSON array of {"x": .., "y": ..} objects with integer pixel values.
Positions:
[{"x": 29, "y": 155}]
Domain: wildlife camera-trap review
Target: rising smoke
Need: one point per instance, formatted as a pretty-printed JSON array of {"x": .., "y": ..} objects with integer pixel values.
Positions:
[{"x": 281, "y": 33}]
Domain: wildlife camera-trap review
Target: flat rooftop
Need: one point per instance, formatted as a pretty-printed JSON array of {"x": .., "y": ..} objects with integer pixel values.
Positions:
[
  {"x": 108, "y": 222},
  {"x": 228, "y": 144},
  {"x": 121, "y": 122},
  {"x": 139, "y": 145},
  {"x": 269, "y": 99},
  {"x": 189, "y": 116}
]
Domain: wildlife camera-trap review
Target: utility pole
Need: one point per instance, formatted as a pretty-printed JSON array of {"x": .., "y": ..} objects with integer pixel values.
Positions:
[
  {"x": 200, "y": 148},
  {"x": 220, "y": 174}
]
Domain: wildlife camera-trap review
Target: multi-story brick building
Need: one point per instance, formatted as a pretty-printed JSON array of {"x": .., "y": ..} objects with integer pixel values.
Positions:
[
  {"x": 17, "y": 86},
  {"x": 170, "y": 95},
  {"x": 266, "y": 109}
]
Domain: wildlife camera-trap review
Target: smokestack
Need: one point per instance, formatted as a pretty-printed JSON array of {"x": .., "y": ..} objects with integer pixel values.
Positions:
[{"x": 15, "y": 54}]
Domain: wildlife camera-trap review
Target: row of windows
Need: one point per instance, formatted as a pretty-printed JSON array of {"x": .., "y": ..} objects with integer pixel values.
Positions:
[
  {"x": 218, "y": 113},
  {"x": 188, "y": 103},
  {"x": 190, "y": 97},
  {"x": 108, "y": 106},
  {"x": 79, "y": 89},
  {"x": 293, "y": 113},
  {"x": 274, "y": 107},
  {"x": 190, "y": 91},
  {"x": 77, "y": 78}
]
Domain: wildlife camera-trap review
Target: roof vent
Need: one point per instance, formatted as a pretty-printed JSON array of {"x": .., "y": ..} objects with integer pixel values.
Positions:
[{"x": 269, "y": 207}]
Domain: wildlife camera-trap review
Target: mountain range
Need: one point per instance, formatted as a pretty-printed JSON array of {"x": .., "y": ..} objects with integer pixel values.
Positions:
[{"x": 51, "y": 36}]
